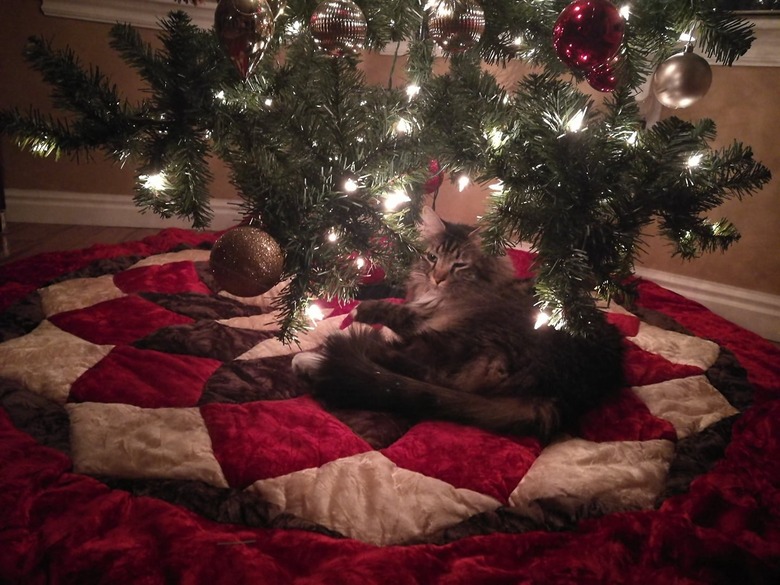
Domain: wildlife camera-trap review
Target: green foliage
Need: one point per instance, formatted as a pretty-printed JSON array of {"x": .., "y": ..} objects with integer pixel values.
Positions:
[
  {"x": 303, "y": 124},
  {"x": 583, "y": 198}
]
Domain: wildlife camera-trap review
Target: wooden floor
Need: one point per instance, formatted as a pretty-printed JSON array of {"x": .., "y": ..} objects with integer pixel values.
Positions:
[{"x": 22, "y": 240}]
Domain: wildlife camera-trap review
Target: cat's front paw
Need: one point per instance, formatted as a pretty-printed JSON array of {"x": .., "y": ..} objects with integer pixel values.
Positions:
[
  {"x": 306, "y": 365},
  {"x": 370, "y": 312}
]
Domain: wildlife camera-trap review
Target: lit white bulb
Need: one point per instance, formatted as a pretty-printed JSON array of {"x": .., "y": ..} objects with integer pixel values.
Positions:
[
  {"x": 440, "y": 8},
  {"x": 403, "y": 126},
  {"x": 412, "y": 90},
  {"x": 576, "y": 122},
  {"x": 396, "y": 198},
  {"x": 333, "y": 237},
  {"x": 541, "y": 320},
  {"x": 360, "y": 262},
  {"x": 496, "y": 137},
  {"x": 220, "y": 95},
  {"x": 625, "y": 11},
  {"x": 268, "y": 102},
  {"x": 155, "y": 182},
  {"x": 694, "y": 160},
  {"x": 632, "y": 138},
  {"x": 350, "y": 186},
  {"x": 687, "y": 37},
  {"x": 314, "y": 313},
  {"x": 295, "y": 27},
  {"x": 40, "y": 147},
  {"x": 463, "y": 182}
]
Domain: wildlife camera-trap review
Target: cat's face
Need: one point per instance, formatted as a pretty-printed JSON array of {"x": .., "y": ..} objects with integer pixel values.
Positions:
[{"x": 452, "y": 254}]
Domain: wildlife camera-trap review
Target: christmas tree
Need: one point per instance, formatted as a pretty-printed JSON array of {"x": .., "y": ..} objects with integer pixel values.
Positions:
[{"x": 335, "y": 170}]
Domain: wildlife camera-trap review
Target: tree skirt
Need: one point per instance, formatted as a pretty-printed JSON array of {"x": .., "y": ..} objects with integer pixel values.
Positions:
[{"x": 152, "y": 432}]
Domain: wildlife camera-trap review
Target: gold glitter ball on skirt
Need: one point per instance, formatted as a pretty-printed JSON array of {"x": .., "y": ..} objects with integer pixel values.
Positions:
[{"x": 246, "y": 261}]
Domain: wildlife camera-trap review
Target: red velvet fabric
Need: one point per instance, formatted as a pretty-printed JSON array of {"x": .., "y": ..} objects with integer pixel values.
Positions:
[
  {"x": 145, "y": 378},
  {"x": 58, "y": 527},
  {"x": 300, "y": 433},
  {"x": 118, "y": 321},
  {"x": 64, "y": 528},
  {"x": 756, "y": 354},
  {"x": 166, "y": 278},
  {"x": 624, "y": 418},
  {"x": 447, "y": 451},
  {"x": 642, "y": 367}
]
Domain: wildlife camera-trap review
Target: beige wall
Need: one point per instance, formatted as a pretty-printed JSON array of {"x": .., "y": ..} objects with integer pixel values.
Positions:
[
  {"x": 743, "y": 102},
  {"x": 22, "y": 87}
]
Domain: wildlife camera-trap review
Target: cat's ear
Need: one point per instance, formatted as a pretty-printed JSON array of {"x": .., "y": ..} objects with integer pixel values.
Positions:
[{"x": 431, "y": 224}]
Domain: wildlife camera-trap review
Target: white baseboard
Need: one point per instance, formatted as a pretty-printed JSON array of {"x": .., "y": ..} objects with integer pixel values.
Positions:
[
  {"x": 756, "y": 311},
  {"x": 64, "y": 207}
]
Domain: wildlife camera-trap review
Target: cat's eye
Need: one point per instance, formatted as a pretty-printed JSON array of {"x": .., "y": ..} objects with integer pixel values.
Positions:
[
  {"x": 431, "y": 257},
  {"x": 458, "y": 266}
]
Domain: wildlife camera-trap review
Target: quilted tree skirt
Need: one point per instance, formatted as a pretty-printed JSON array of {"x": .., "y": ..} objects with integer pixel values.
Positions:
[{"x": 151, "y": 432}]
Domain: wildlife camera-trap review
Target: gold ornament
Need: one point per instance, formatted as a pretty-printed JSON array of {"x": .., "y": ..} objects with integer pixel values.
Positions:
[
  {"x": 244, "y": 28},
  {"x": 246, "y": 261},
  {"x": 682, "y": 79},
  {"x": 456, "y": 25},
  {"x": 339, "y": 27}
]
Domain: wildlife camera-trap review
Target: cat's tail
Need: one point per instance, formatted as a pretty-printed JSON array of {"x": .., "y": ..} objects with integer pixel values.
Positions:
[{"x": 347, "y": 373}]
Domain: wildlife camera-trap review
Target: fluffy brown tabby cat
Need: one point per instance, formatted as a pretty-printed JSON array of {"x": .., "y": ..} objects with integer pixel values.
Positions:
[{"x": 465, "y": 348}]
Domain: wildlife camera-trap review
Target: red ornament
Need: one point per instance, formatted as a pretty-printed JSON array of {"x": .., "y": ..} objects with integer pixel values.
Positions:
[
  {"x": 244, "y": 29},
  {"x": 437, "y": 177},
  {"x": 588, "y": 33},
  {"x": 604, "y": 77}
]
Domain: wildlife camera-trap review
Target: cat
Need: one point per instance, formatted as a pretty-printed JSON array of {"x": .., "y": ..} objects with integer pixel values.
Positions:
[{"x": 465, "y": 348}]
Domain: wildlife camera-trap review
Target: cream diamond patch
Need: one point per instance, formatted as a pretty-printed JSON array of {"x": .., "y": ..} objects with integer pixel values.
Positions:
[
  {"x": 48, "y": 360},
  {"x": 369, "y": 498},
  {"x": 677, "y": 347},
  {"x": 619, "y": 476},
  {"x": 78, "y": 293},
  {"x": 182, "y": 256},
  {"x": 126, "y": 441},
  {"x": 690, "y": 404}
]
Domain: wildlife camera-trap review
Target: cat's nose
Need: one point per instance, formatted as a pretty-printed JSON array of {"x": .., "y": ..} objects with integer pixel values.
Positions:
[{"x": 438, "y": 278}]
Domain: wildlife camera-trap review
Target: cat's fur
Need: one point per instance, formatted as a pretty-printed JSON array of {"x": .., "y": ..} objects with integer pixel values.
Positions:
[{"x": 466, "y": 349}]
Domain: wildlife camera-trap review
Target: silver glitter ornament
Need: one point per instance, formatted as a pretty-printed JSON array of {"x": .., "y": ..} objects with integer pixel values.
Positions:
[
  {"x": 339, "y": 27},
  {"x": 456, "y": 25}
]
